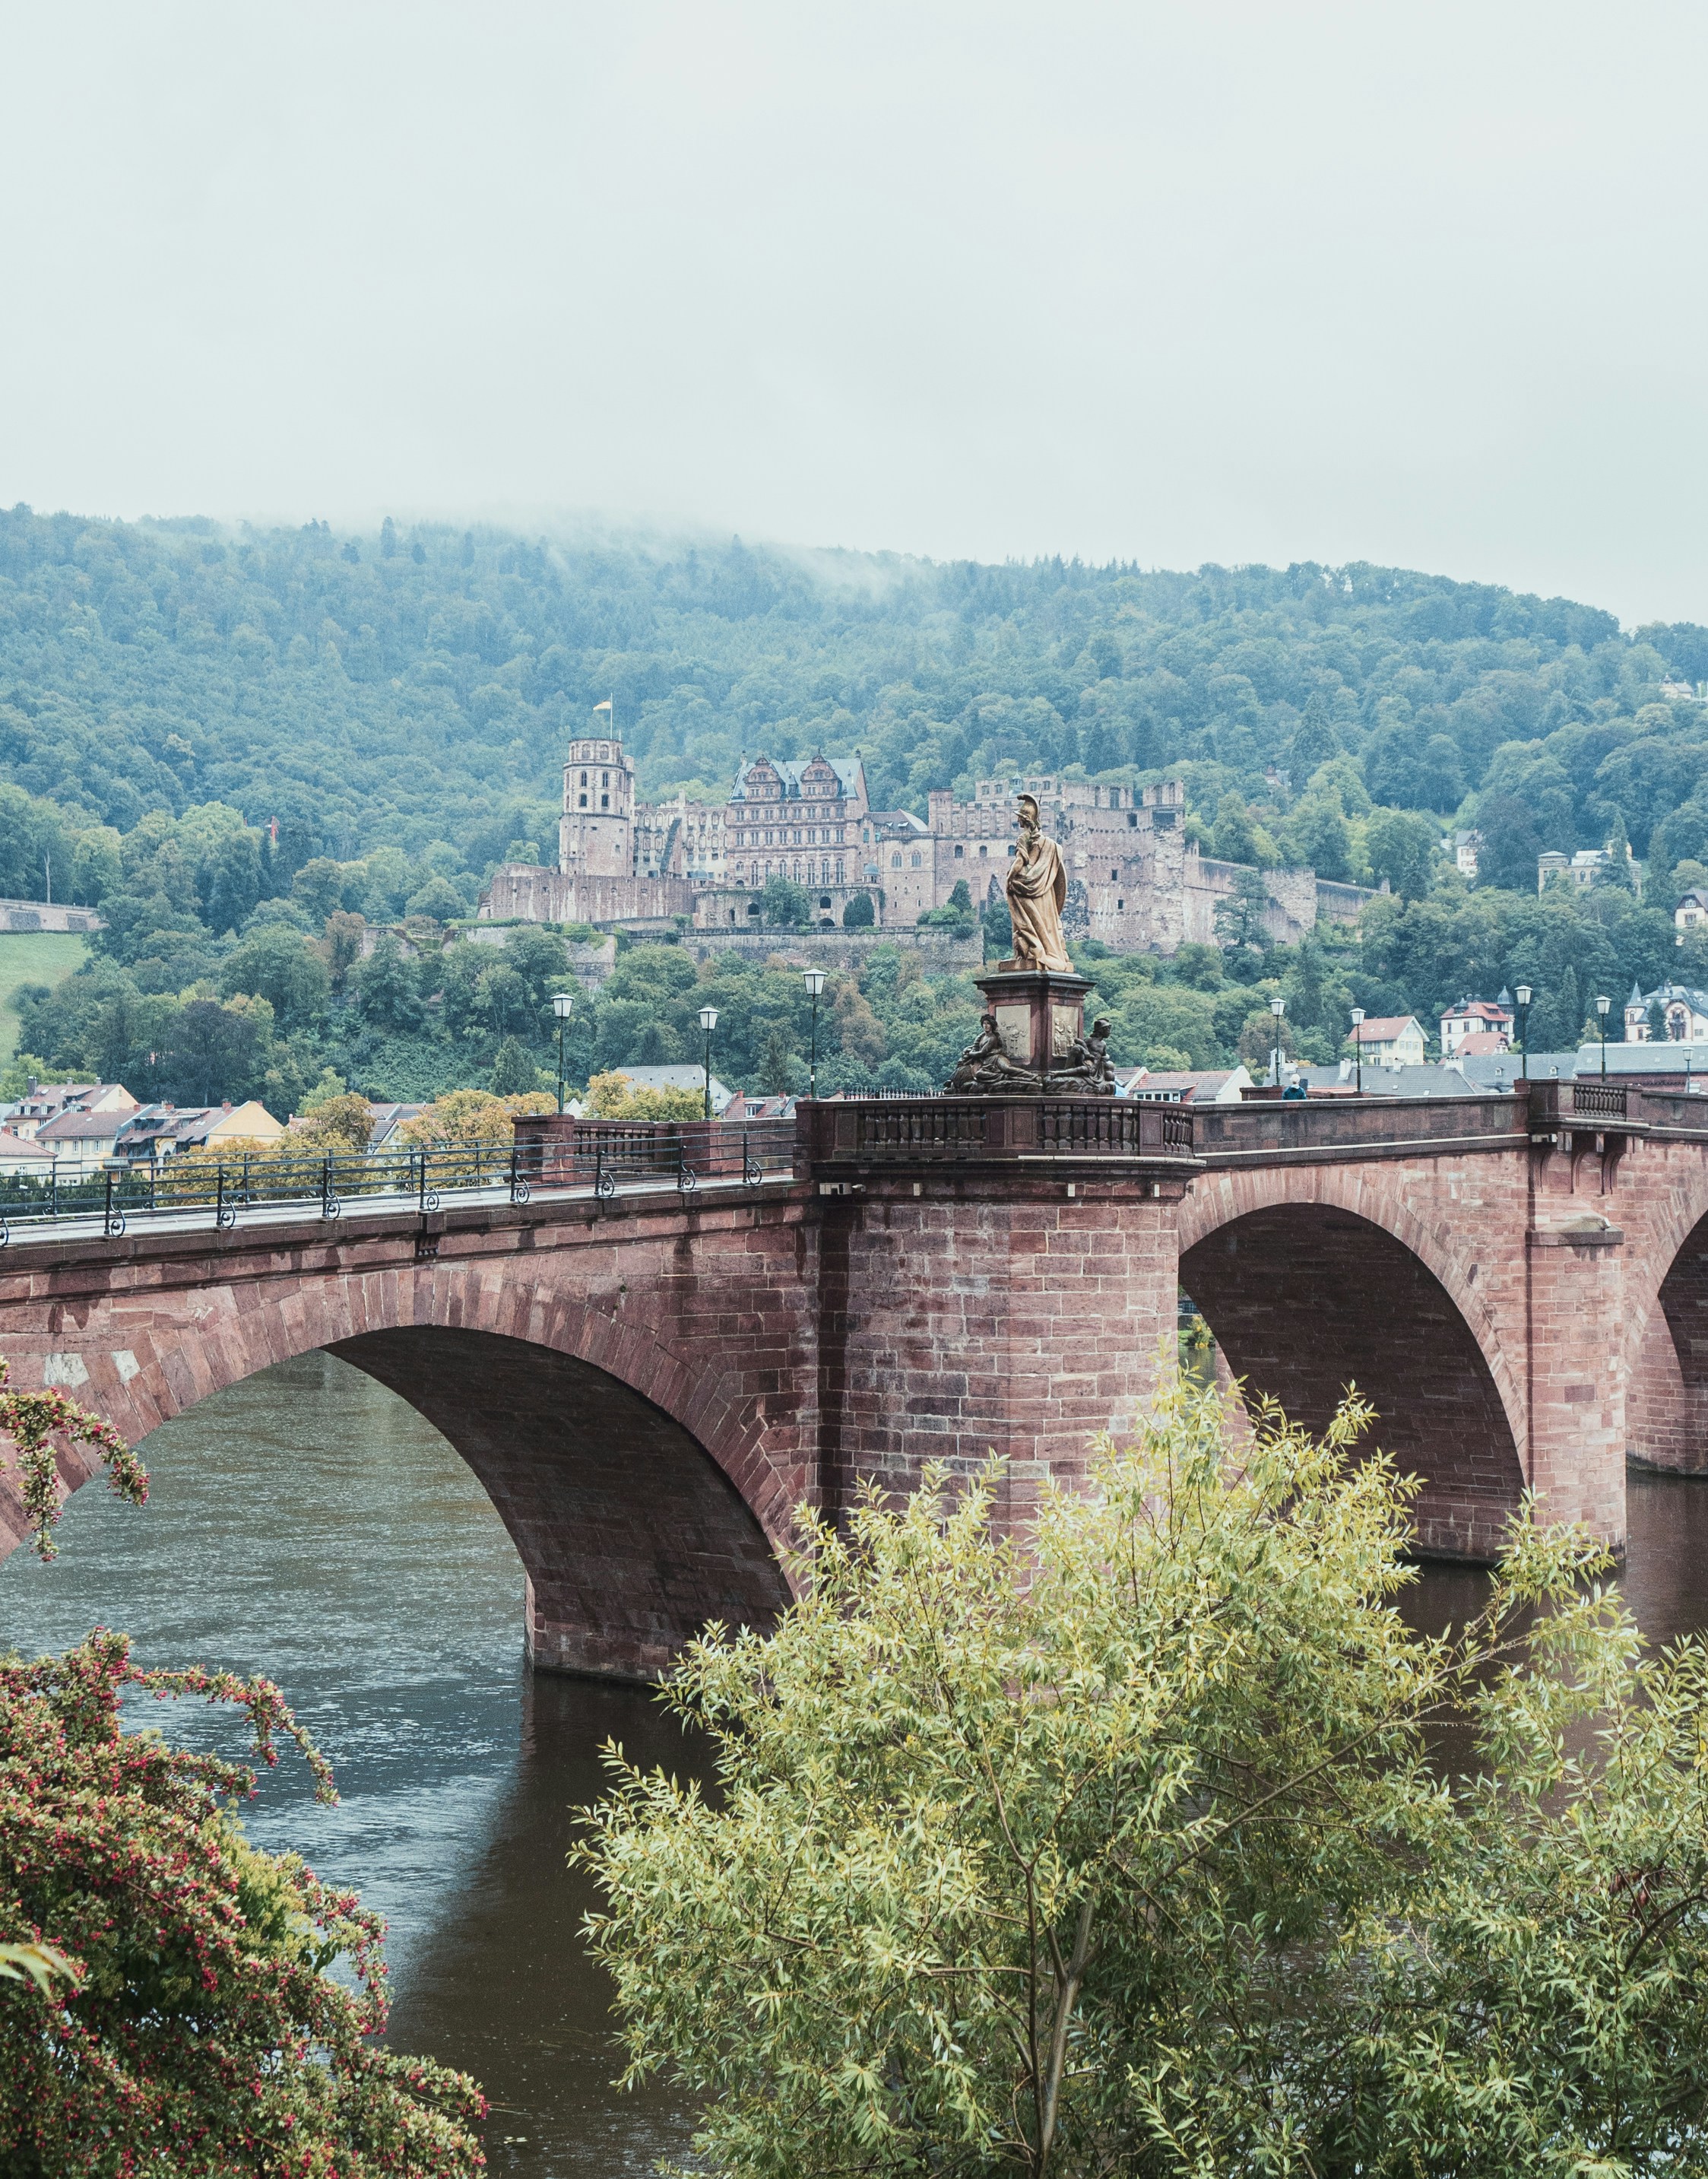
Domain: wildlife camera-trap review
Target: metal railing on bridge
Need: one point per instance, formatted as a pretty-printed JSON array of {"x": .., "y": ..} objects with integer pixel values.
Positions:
[{"x": 600, "y": 1158}]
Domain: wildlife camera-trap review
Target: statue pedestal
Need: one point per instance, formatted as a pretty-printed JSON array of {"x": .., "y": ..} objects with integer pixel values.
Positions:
[{"x": 1040, "y": 1014}]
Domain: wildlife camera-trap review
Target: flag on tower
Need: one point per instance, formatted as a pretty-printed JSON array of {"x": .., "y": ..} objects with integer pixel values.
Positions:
[{"x": 604, "y": 706}]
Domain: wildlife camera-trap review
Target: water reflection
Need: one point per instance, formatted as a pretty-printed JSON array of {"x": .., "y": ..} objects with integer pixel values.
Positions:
[{"x": 308, "y": 1524}]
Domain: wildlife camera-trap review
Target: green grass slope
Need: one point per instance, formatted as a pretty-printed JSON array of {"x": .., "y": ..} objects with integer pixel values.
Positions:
[{"x": 32, "y": 957}]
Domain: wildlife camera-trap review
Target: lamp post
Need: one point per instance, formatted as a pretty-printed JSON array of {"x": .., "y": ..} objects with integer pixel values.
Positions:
[
  {"x": 709, "y": 1022},
  {"x": 1601, "y": 1007},
  {"x": 1358, "y": 1044},
  {"x": 1523, "y": 999},
  {"x": 563, "y": 1005},
  {"x": 813, "y": 978},
  {"x": 1277, "y": 1008}
]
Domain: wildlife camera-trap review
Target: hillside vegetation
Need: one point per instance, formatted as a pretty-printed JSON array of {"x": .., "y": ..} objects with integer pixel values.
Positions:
[{"x": 399, "y": 704}]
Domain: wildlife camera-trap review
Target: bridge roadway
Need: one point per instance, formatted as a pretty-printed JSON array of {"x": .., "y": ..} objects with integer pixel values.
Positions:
[{"x": 648, "y": 1383}]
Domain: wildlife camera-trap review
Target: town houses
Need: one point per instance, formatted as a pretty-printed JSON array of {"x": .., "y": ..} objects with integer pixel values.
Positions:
[
  {"x": 1477, "y": 1028},
  {"x": 1672, "y": 1014}
]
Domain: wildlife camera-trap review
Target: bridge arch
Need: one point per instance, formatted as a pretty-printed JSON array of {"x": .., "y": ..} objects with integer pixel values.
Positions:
[
  {"x": 636, "y": 1482},
  {"x": 1313, "y": 1278},
  {"x": 1666, "y": 1357}
]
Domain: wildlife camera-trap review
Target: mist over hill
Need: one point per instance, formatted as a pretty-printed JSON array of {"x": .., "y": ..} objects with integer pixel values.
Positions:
[{"x": 418, "y": 685}]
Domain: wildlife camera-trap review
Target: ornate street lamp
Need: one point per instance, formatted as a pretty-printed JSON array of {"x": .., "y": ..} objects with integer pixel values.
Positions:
[
  {"x": 709, "y": 1022},
  {"x": 1358, "y": 1044},
  {"x": 563, "y": 1005},
  {"x": 1277, "y": 1008},
  {"x": 813, "y": 978},
  {"x": 1523, "y": 999},
  {"x": 1601, "y": 1007}
]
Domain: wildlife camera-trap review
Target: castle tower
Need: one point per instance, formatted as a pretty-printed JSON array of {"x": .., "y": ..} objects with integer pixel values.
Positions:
[{"x": 595, "y": 838}]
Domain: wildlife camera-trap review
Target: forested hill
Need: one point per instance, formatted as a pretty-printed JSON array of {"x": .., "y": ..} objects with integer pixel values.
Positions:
[{"x": 418, "y": 685}]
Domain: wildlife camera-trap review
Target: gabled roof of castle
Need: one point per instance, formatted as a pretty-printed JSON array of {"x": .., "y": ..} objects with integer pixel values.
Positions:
[{"x": 789, "y": 769}]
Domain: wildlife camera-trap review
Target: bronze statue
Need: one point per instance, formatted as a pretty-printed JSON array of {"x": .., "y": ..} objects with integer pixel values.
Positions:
[
  {"x": 985, "y": 1064},
  {"x": 1084, "y": 1068},
  {"x": 1036, "y": 893}
]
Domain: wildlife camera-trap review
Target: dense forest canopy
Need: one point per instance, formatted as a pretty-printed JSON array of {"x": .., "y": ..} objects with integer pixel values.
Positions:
[
  {"x": 419, "y": 686},
  {"x": 399, "y": 704}
]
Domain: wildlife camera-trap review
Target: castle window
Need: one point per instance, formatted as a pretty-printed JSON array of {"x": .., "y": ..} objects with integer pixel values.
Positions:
[
  {"x": 583, "y": 779},
  {"x": 604, "y": 802},
  {"x": 1133, "y": 817},
  {"x": 583, "y": 800},
  {"x": 604, "y": 779},
  {"x": 895, "y": 862},
  {"x": 1114, "y": 875},
  {"x": 959, "y": 851},
  {"x": 982, "y": 848},
  {"x": 917, "y": 858},
  {"x": 1120, "y": 904}
]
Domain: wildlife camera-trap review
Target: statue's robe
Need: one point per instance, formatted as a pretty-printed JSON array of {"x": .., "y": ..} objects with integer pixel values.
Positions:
[{"x": 1037, "y": 894}]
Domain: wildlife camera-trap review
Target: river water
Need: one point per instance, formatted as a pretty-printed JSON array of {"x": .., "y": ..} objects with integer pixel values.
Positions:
[{"x": 309, "y": 1525}]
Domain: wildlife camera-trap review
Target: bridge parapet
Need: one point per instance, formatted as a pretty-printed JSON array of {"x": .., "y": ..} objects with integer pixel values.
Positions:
[
  {"x": 1269, "y": 1129},
  {"x": 1006, "y": 1129}
]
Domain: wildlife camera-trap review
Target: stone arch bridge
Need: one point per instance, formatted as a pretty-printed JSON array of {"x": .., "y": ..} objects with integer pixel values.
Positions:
[{"x": 648, "y": 1384}]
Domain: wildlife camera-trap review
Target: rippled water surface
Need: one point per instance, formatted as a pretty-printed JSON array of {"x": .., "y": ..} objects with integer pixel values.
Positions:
[{"x": 309, "y": 1525}]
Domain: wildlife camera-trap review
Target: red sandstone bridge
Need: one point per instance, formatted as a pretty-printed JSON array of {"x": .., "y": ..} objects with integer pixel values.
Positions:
[{"x": 649, "y": 1361}]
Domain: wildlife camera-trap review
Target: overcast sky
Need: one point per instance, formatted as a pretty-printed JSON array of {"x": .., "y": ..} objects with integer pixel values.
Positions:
[{"x": 1415, "y": 283}]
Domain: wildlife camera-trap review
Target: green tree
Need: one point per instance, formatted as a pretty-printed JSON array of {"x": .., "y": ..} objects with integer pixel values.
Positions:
[
  {"x": 777, "y": 1064},
  {"x": 859, "y": 913},
  {"x": 787, "y": 906},
  {"x": 438, "y": 898},
  {"x": 1314, "y": 741},
  {"x": 514, "y": 1073},
  {"x": 956, "y": 913},
  {"x": 538, "y": 958},
  {"x": 1120, "y": 1847},
  {"x": 228, "y": 878},
  {"x": 1240, "y": 915},
  {"x": 342, "y": 1123},
  {"x": 96, "y": 869},
  {"x": 1320, "y": 838},
  {"x": 1510, "y": 844},
  {"x": 1235, "y": 838},
  {"x": 278, "y": 965},
  {"x": 318, "y": 888},
  {"x": 387, "y": 988},
  {"x": 1401, "y": 846},
  {"x": 1618, "y": 871},
  {"x": 1258, "y": 1038},
  {"x": 342, "y": 946}
]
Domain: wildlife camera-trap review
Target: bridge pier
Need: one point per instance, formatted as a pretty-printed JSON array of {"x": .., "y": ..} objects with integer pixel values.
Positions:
[
  {"x": 1577, "y": 1303},
  {"x": 964, "y": 1315}
]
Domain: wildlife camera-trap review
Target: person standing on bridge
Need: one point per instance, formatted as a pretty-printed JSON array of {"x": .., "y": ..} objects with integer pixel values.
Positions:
[{"x": 1036, "y": 895}]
